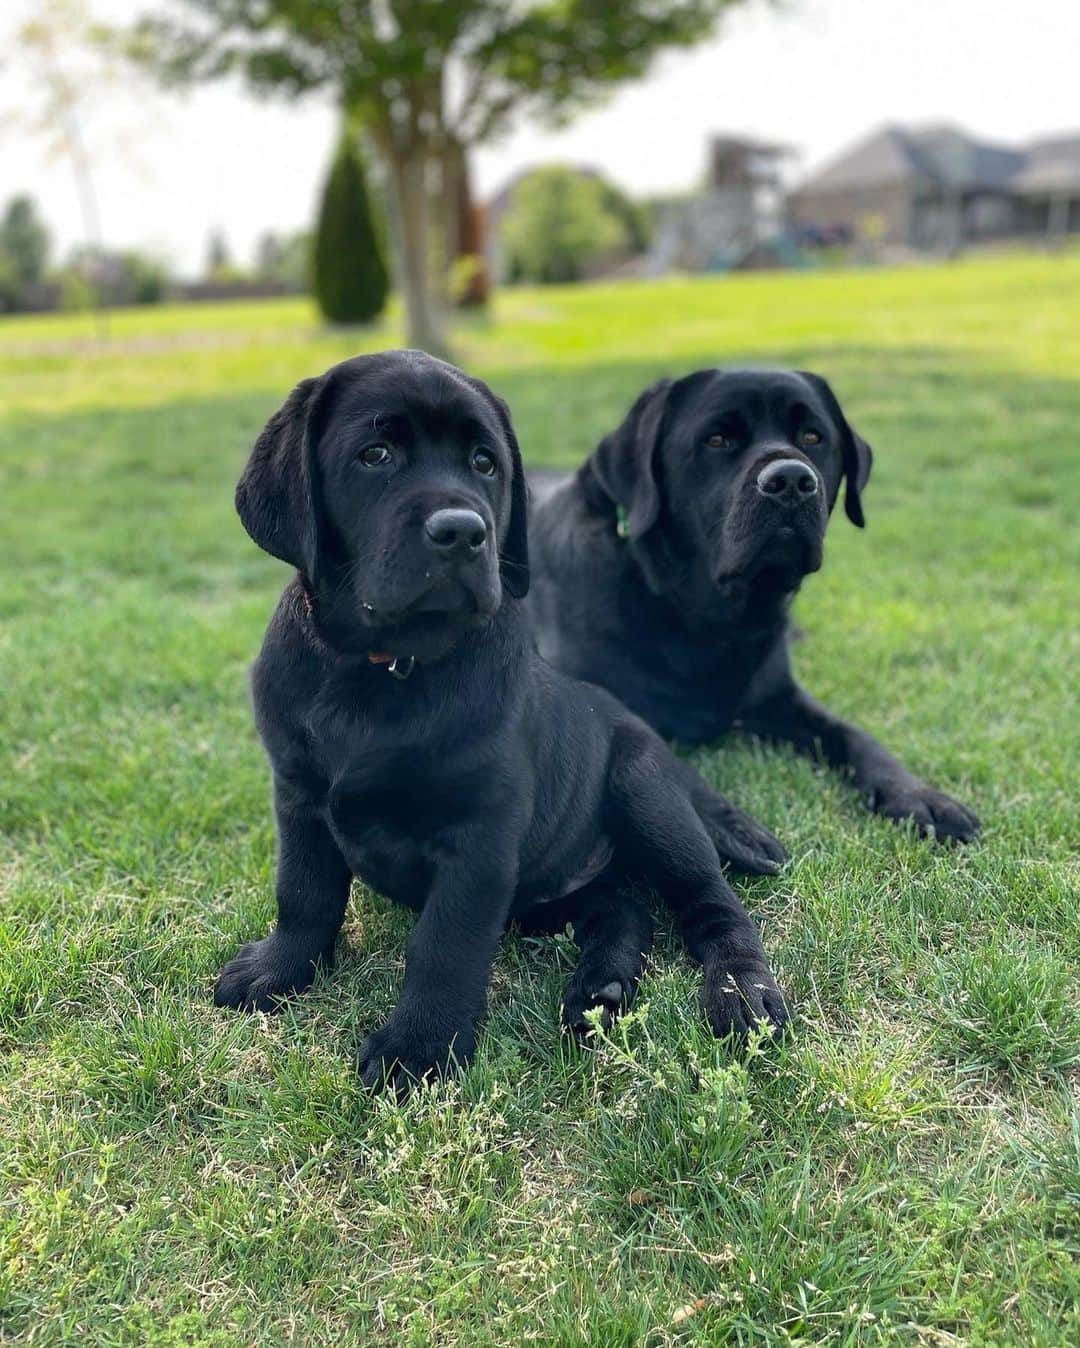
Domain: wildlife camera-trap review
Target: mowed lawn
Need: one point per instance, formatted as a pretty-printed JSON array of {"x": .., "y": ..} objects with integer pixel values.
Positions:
[{"x": 906, "y": 1169}]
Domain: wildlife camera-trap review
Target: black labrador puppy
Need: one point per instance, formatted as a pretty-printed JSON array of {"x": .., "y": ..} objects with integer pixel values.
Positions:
[
  {"x": 419, "y": 742},
  {"x": 665, "y": 569}
]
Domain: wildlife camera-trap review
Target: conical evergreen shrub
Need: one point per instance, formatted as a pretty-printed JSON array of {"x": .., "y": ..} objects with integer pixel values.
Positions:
[{"x": 348, "y": 272}]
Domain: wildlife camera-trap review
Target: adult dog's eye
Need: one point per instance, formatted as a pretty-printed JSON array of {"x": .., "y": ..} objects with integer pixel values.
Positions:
[
  {"x": 484, "y": 462},
  {"x": 719, "y": 441},
  {"x": 808, "y": 439},
  {"x": 374, "y": 456}
]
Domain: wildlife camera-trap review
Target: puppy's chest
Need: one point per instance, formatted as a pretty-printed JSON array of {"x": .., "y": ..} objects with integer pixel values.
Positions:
[{"x": 390, "y": 809}]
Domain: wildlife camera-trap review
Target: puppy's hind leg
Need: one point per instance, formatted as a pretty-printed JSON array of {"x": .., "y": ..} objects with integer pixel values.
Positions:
[
  {"x": 660, "y": 833},
  {"x": 614, "y": 932}
]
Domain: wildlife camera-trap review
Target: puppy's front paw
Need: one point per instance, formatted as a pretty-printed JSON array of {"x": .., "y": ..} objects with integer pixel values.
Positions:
[
  {"x": 607, "y": 989},
  {"x": 403, "y": 1053},
  {"x": 741, "y": 840},
  {"x": 934, "y": 814},
  {"x": 740, "y": 994},
  {"x": 261, "y": 973}
]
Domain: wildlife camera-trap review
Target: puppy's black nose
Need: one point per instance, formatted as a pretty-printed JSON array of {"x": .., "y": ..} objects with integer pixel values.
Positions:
[
  {"x": 787, "y": 480},
  {"x": 456, "y": 530}
]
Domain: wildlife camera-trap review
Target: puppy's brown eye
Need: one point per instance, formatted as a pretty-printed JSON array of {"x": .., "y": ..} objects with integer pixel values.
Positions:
[
  {"x": 719, "y": 441},
  {"x": 374, "y": 456},
  {"x": 808, "y": 439},
  {"x": 484, "y": 462}
]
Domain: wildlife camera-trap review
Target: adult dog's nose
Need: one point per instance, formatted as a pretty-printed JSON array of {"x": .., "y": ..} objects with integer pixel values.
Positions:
[
  {"x": 456, "y": 531},
  {"x": 787, "y": 481}
]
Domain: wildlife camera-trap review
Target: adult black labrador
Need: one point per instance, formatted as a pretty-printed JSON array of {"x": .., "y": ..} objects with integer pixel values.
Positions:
[
  {"x": 665, "y": 569},
  {"x": 419, "y": 742}
]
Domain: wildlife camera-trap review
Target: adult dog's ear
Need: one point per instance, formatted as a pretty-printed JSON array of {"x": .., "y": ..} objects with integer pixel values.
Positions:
[
  {"x": 858, "y": 456},
  {"x": 624, "y": 462},
  {"x": 277, "y": 496}
]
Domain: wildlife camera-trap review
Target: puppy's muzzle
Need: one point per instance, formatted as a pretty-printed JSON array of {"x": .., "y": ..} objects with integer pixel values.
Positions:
[
  {"x": 787, "y": 482},
  {"x": 455, "y": 533}
]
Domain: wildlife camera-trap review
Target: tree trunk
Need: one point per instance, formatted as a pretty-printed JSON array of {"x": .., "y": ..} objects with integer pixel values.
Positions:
[
  {"x": 423, "y": 313},
  {"x": 464, "y": 230}
]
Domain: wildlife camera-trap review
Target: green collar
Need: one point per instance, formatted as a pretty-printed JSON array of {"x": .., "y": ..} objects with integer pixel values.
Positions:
[{"x": 622, "y": 522}]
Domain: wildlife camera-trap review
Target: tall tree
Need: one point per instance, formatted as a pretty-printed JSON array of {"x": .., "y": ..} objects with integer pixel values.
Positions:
[{"x": 428, "y": 79}]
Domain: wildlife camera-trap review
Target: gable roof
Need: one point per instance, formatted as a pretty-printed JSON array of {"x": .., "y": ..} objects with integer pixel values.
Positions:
[
  {"x": 1053, "y": 165},
  {"x": 881, "y": 158},
  {"x": 935, "y": 156}
]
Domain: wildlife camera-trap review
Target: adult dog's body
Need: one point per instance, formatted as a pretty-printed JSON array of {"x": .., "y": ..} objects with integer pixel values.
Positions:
[
  {"x": 665, "y": 569},
  {"x": 479, "y": 785}
]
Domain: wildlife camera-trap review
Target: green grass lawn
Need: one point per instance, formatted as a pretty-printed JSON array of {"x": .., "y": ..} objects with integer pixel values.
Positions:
[{"x": 905, "y": 1170}]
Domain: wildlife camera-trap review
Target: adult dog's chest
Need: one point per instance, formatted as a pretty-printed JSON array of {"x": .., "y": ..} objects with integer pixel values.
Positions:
[{"x": 691, "y": 687}]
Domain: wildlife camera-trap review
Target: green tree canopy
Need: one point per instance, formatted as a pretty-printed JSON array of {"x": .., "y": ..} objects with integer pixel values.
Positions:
[
  {"x": 558, "y": 222},
  {"x": 426, "y": 79}
]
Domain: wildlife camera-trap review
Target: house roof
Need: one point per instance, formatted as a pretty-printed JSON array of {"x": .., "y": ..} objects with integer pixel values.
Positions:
[
  {"x": 1052, "y": 165},
  {"x": 958, "y": 160},
  {"x": 938, "y": 156},
  {"x": 875, "y": 161}
]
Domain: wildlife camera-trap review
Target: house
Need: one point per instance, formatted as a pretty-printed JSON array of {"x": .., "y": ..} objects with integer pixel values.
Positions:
[
  {"x": 1048, "y": 187},
  {"x": 940, "y": 188},
  {"x": 740, "y": 208}
]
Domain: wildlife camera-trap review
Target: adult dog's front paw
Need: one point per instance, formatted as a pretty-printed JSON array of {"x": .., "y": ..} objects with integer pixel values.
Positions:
[
  {"x": 738, "y": 995},
  {"x": 403, "y": 1053},
  {"x": 262, "y": 972},
  {"x": 740, "y": 839},
  {"x": 933, "y": 813}
]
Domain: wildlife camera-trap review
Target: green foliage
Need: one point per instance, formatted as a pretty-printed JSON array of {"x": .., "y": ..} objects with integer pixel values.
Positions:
[
  {"x": 10, "y": 289},
  {"x": 557, "y": 223},
  {"x": 903, "y": 1172},
  {"x": 349, "y": 275},
  {"x": 118, "y": 278},
  {"x": 634, "y": 217},
  {"x": 148, "y": 278},
  {"x": 286, "y": 260},
  {"x": 24, "y": 240},
  {"x": 77, "y": 292},
  {"x": 219, "y": 263},
  {"x": 542, "y": 56}
]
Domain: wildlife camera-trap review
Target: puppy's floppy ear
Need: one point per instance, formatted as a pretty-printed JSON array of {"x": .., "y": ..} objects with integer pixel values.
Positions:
[
  {"x": 858, "y": 456},
  {"x": 624, "y": 462},
  {"x": 277, "y": 495},
  {"x": 514, "y": 553}
]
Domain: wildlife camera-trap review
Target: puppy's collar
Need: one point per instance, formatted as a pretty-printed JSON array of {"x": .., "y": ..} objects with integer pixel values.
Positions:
[
  {"x": 400, "y": 666},
  {"x": 622, "y": 521}
]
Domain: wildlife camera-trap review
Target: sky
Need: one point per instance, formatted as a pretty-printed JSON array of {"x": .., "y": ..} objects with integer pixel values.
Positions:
[{"x": 812, "y": 74}]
